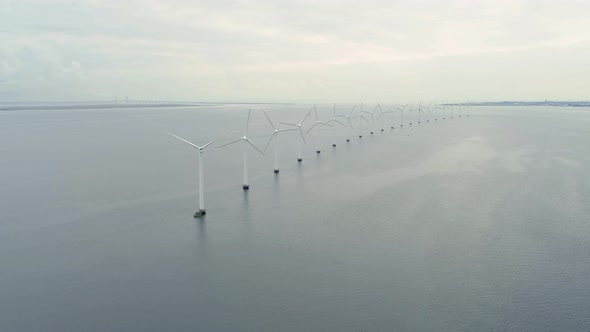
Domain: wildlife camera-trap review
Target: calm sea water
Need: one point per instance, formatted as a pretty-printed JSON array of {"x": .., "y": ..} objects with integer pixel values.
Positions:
[{"x": 464, "y": 224}]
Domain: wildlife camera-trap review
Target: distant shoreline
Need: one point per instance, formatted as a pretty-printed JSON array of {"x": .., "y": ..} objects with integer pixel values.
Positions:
[
  {"x": 107, "y": 106},
  {"x": 25, "y": 107}
]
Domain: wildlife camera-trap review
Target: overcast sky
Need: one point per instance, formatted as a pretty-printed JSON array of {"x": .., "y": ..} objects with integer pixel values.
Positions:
[{"x": 295, "y": 51}]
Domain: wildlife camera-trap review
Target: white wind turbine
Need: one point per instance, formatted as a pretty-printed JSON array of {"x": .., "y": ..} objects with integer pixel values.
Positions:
[
  {"x": 201, "y": 149},
  {"x": 245, "y": 141},
  {"x": 402, "y": 113},
  {"x": 348, "y": 117},
  {"x": 334, "y": 121},
  {"x": 275, "y": 135},
  {"x": 372, "y": 113},
  {"x": 383, "y": 118},
  {"x": 361, "y": 118},
  {"x": 298, "y": 125},
  {"x": 317, "y": 125}
]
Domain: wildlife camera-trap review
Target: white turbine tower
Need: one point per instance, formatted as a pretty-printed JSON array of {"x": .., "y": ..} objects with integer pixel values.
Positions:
[
  {"x": 350, "y": 126},
  {"x": 245, "y": 141},
  {"x": 298, "y": 125},
  {"x": 334, "y": 121},
  {"x": 201, "y": 149},
  {"x": 317, "y": 125},
  {"x": 275, "y": 135}
]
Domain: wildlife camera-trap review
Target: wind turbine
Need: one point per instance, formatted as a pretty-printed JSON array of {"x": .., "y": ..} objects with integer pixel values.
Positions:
[
  {"x": 402, "y": 113},
  {"x": 460, "y": 108},
  {"x": 452, "y": 111},
  {"x": 298, "y": 125},
  {"x": 372, "y": 118},
  {"x": 383, "y": 118},
  {"x": 317, "y": 125},
  {"x": 348, "y": 117},
  {"x": 201, "y": 210},
  {"x": 361, "y": 118},
  {"x": 245, "y": 140},
  {"x": 275, "y": 135},
  {"x": 334, "y": 121}
]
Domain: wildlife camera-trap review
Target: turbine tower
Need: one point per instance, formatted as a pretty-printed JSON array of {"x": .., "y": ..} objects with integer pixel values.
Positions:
[
  {"x": 275, "y": 135},
  {"x": 201, "y": 210},
  {"x": 245, "y": 141},
  {"x": 298, "y": 125}
]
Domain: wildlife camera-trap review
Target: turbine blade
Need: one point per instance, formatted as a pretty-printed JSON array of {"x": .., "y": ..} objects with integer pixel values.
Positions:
[
  {"x": 340, "y": 123},
  {"x": 232, "y": 142},
  {"x": 316, "y": 112},
  {"x": 350, "y": 122},
  {"x": 270, "y": 140},
  {"x": 308, "y": 130},
  {"x": 204, "y": 146},
  {"x": 287, "y": 129},
  {"x": 182, "y": 139},
  {"x": 352, "y": 110},
  {"x": 305, "y": 118},
  {"x": 271, "y": 124},
  {"x": 254, "y": 146},
  {"x": 302, "y": 136},
  {"x": 289, "y": 124}
]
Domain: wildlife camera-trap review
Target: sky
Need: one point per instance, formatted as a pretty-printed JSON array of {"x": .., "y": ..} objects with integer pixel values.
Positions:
[{"x": 294, "y": 51}]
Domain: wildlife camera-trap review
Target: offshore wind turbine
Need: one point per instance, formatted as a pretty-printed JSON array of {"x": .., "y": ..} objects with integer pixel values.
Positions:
[
  {"x": 275, "y": 136},
  {"x": 334, "y": 121},
  {"x": 361, "y": 118},
  {"x": 372, "y": 113},
  {"x": 348, "y": 117},
  {"x": 201, "y": 210},
  {"x": 317, "y": 125},
  {"x": 298, "y": 125},
  {"x": 383, "y": 118},
  {"x": 245, "y": 141}
]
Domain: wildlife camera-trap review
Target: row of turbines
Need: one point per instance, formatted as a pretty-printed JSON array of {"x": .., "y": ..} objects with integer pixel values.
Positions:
[{"x": 368, "y": 118}]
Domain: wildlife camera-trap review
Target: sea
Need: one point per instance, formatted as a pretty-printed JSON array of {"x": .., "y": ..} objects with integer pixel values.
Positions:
[{"x": 471, "y": 223}]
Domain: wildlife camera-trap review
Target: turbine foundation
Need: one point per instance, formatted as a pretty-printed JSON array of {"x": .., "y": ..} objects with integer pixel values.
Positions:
[
  {"x": 276, "y": 171},
  {"x": 299, "y": 159},
  {"x": 199, "y": 213},
  {"x": 245, "y": 187},
  {"x": 317, "y": 151},
  {"x": 334, "y": 145}
]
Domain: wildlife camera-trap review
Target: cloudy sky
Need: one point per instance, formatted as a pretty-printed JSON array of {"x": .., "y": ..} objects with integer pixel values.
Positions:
[{"x": 295, "y": 51}]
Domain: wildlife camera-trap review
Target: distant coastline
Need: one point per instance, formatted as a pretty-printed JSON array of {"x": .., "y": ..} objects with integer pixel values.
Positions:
[
  {"x": 525, "y": 103},
  {"x": 106, "y": 105}
]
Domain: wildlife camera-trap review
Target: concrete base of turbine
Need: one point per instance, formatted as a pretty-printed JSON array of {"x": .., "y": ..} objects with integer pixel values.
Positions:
[
  {"x": 401, "y": 125},
  {"x": 427, "y": 120},
  {"x": 276, "y": 171},
  {"x": 333, "y": 145},
  {"x": 245, "y": 186},
  {"x": 360, "y": 136},
  {"x": 371, "y": 133},
  {"x": 410, "y": 123},
  {"x": 382, "y": 129},
  {"x": 392, "y": 128},
  {"x": 348, "y": 140},
  {"x": 317, "y": 151},
  {"x": 299, "y": 159},
  {"x": 200, "y": 213}
]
